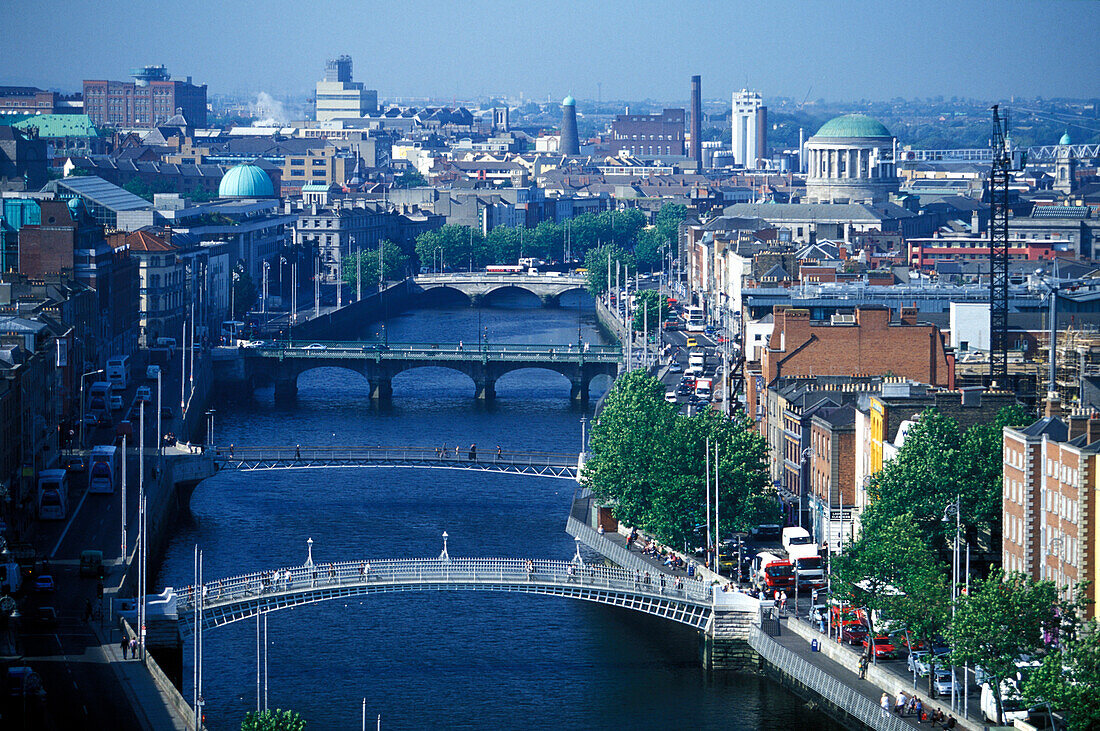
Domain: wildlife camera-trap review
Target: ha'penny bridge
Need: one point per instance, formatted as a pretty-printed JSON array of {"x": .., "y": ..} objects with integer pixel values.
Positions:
[{"x": 454, "y": 457}]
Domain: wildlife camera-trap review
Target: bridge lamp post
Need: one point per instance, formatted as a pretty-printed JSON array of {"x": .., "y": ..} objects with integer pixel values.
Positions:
[
  {"x": 210, "y": 426},
  {"x": 577, "y": 558},
  {"x": 584, "y": 440},
  {"x": 446, "y": 557}
]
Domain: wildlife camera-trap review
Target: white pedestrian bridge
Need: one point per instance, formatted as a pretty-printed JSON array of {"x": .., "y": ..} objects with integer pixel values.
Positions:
[{"x": 678, "y": 598}]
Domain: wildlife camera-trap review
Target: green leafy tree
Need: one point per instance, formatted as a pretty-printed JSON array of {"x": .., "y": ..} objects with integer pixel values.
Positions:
[
  {"x": 277, "y": 720},
  {"x": 1001, "y": 619},
  {"x": 595, "y": 261},
  {"x": 650, "y": 306},
  {"x": 503, "y": 244},
  {"x": 938, "y": 463},
  {"x": 648, "y": 248},
  {"x": 394, "y": 265},
  {"x": 669, "y": 218},
  {"x": 875, "y": 571},
  {"x": 460, "y": 247},
  {"x": 410, "y": 178},
  {"x": 648, "y": 462},
  {"x": 1070, "y": 679}
]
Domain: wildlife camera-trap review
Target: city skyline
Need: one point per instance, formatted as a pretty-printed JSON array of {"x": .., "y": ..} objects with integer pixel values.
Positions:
[{"x": 426, "y": 48}]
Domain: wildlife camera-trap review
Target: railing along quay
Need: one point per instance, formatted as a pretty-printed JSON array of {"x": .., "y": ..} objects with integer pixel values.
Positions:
[{"x": 832, "y": 689}]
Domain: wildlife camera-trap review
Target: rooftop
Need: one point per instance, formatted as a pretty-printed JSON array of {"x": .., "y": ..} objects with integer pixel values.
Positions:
[{"x": 853, "y": 125}]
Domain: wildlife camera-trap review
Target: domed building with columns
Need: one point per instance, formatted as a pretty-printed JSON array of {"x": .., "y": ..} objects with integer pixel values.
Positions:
[{"x": 851, "y": 160}]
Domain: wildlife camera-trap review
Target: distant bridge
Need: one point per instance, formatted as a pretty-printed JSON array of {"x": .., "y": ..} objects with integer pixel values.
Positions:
[
  {"x": 1039, "y": 153},
  {"x": 282, "y": 362},
  {"x": 249, "y": 458},
  {"x": 477, "y": 286},
  {"x": 684, "y": 600}
]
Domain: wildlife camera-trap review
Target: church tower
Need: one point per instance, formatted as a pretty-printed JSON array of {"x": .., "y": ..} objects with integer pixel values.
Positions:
[{"x": 1065, "y": 167}]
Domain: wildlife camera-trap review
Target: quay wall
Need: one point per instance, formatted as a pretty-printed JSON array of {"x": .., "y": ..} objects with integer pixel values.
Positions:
[{"x": 352, "y": 317}]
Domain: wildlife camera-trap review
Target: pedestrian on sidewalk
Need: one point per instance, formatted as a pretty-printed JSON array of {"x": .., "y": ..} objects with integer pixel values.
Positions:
[
  {"x": 863, "y": 667},
  {"x": 884, "y": 704},
  {"x": 783, "y": 601},
  {"x": 297, "y": 452},
  {"x": 124, "y": 645},
  {"x": 87, "y": 610},
  {"x": 498, "y": 453}
]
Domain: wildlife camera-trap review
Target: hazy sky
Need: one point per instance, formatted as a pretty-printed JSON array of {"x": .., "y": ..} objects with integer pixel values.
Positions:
[{"x": 835, "y": 49}]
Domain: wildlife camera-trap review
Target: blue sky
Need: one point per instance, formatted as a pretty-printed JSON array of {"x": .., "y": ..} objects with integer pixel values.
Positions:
[{"x": 838, "y": 50}]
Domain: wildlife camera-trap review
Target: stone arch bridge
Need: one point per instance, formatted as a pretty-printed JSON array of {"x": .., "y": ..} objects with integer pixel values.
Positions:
[
  {"x": 282, "y": 363},
  {"x": 477, "y": 286}
]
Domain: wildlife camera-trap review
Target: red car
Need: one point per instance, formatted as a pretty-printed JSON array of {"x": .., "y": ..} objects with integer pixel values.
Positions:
[
  {"x": 853, "y": 633},
  {"x": 884, "y": 649}
]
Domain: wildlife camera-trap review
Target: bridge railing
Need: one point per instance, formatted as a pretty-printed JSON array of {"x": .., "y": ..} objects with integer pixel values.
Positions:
[
  {"x": 248, "y": 587},
  {"x": 437, "y": 351},
  {"x": 501, "y": 278},
  {"x": 359, "y": 454}
]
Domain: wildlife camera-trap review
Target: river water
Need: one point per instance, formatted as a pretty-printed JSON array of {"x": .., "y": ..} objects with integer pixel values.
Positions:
[{"x": 440, "y": 660}]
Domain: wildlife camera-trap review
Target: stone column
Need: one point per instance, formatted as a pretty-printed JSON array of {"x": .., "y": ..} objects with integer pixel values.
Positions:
[
  {"x": 286, "y": 388},
  {"x": 381, "y": 388},
  {"x": 578, "y": 390},
  {"x": 726, "y": 645},
  {"x": 486, "y": 389}
]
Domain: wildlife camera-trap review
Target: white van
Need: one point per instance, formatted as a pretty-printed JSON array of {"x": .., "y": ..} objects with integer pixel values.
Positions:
[
  {"x": 795, "y": 536},
  {"x": 697, "y": 360}
]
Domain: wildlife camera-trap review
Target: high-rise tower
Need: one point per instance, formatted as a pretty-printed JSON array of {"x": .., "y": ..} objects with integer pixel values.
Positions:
[
  {"x": 745, "y": 123},
  {"x": 570, "y": 142},
  {"x": 696, "y": 122}
]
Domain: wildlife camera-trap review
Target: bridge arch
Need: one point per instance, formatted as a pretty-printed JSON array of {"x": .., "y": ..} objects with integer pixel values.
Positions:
[
  {"x": 404, "y": 373},
  {"x": 525, "y": 294},
  {"x": 288, "y": 376},
  {"x": 686, "y": 601},
  {"x": 444, "y": 294}
]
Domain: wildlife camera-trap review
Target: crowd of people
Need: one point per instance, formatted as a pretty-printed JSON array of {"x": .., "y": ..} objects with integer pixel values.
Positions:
[{"x": 910, "y": 705}]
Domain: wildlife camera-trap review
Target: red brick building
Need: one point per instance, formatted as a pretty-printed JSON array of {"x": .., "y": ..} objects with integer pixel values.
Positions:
[
  {"x": 866, "y": 344},
  {"x": 148, "y": 101},
  {"x": 647, "y": 135},
  {"x": 1050, "y": 501},
  {"x": 832, "y": 474}
]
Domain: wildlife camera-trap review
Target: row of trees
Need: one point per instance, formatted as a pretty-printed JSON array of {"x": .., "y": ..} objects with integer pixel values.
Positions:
[
  {"x": 647, "y": 460},
  {"x": 463, "y": 247},
  {"x": 364, "y": 263},
  {"x": 898, "y": 567}
]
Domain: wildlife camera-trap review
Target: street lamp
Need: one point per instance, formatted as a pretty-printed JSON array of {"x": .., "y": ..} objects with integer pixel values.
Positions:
[
  {"x": 1058, "y": 543},
  {"x": 954, "y": 508},
  {"x": 82, "y": 377}
]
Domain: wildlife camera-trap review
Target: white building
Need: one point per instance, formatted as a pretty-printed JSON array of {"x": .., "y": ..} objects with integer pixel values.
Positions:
[
  {"x": 851, "y": 160},
  {"x": 746, "y": 128},
  {"x": 338, "y": 97}
]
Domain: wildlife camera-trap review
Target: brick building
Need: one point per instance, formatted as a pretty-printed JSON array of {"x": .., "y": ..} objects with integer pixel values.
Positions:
[
  {"x": 1050, "y": 500},
  {"x": 151, "y": 99},
  {"x": 831, "y": 473},
  {"x": 649, "y": 135},
  {"x": 865, "y": 343},
  {"x": 32, "y": 100}
]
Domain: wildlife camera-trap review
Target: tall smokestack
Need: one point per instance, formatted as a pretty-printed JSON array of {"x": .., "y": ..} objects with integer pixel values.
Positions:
[
  {"x": 570, "y": 142},
  {"x": 761, "y": 134},
  {"x": 697, "y": 122}
]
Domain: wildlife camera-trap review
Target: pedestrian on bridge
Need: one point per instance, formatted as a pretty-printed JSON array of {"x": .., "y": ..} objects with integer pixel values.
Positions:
[
  {"x": 884, "y": 704},
  {"x": 498, "y": 453},
  {"x": 297, "y": 452},
  {"x": 473, "y": 452}
]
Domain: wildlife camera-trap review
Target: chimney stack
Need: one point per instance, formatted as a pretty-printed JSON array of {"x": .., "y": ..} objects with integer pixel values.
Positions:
[{"x": 696, "y": 152}]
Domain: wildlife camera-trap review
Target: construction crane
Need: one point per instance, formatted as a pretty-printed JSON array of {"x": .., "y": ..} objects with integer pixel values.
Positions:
[{"x": 1004, "y": 162}]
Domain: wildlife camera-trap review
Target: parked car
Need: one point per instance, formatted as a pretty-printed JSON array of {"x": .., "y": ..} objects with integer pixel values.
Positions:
[
  {"x": 919, "y": 662},
  {"x": 943, "y": 683},
  {"x": 675, "y": 366},
  {"x": 692, "y": 343},
  {"x": 45, "y": 617},
  {"x": 819, "y": 612},
  {"x": 884, "y": 648},
  {"x": 144, "y": 393},
  {"x": 44, "y": 584},
  {"x": 853, "y": 633},
  {"x": 152, "y": 372}
]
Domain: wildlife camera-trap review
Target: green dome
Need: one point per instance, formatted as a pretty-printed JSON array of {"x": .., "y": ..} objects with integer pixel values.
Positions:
[
  {"x": 1065, "y": 139},
  {"x": 246, "y": 181},
  {"x": 569, "y": 101},
  {"x": 853, "y": 125}
]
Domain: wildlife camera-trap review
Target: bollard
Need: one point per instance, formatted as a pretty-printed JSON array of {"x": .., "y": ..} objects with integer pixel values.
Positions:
[{"x": 813, "y": 646}]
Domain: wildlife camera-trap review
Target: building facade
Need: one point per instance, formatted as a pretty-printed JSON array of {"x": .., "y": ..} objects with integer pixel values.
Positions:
[
  {"x": 151, "y": 99},
  {"x": 851, "y": 160},
  {"x": 749, "y": 125},
  {"x": 338, "y": 97},
  {"x": 649, "y": 135}
]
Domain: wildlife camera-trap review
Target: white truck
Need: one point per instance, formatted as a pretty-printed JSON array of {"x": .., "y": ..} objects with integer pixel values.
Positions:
[
  {"x": 703, "y": 388},
  {"x": 804, "y": 555}
]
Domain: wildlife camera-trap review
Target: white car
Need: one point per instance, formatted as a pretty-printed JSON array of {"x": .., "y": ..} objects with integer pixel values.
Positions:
[
  {"x": 315, "y": 346},
  {"x": 943, "y": 684},
  {"x": 670, "y": 396},
  {"x": 918, "y": 661}
]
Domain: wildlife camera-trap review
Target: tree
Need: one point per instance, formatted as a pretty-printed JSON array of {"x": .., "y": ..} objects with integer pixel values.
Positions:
[
  {"x": 891, "y": 571},
  {"x": 1000, "y": 620},
  {"x": 458, "y": 247},
  {"x": 648, "y": 462},
  {"x": 277, "y": 720},
  {"x": 410, "y": 178},
  {"x": 394, "y": 264},
  {"x": 503, "y": 244},
  {"x": 595, "y": 261},
  {"x": 1070, "y": 679},
  {"x": 650, "y": 308},
  {"x": 938, "y": 463}
]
